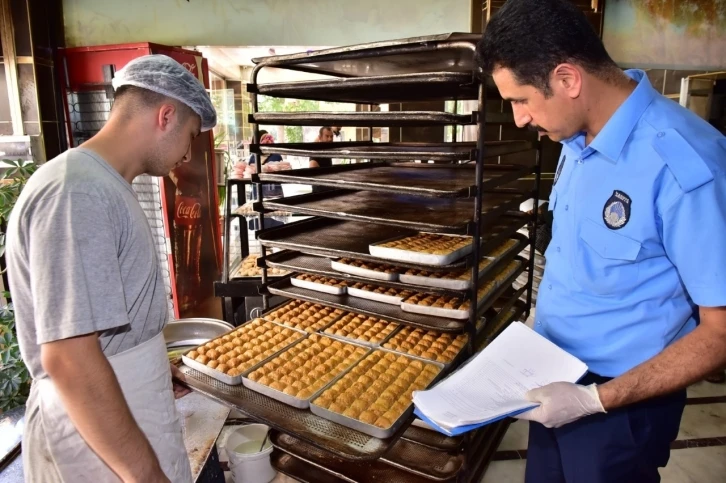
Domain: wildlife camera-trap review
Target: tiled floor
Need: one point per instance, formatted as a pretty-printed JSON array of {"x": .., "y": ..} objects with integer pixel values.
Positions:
[{"x": 701, "y": 422}]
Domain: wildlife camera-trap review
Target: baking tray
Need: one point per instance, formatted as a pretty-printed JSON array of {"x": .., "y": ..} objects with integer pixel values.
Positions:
[
  {"x": 318, "y": 287},
  {"x": 367, "y": 307},
  {"x": 370, "y": 429},
  {"x": 409, "y": 256},
  {"x": 432, "y": 180},
  {"x": 425, "y": 86},
  {"x": 373, "y": 345},
  {"x": 437, "y": 215},
  {"x": 301, "y": 471},
  {"x": 395, "y": 151},
  {"x": 335, "y": 438},
  {"x": 236, "y": 380},
  {"x": 347, "y": 239},
  {"x": 450, "y": 52},
  {"x": 363, "y": 272},
  {"x": 373, "y": 118},
  {"x": 273, "y": 309},
  {"x": 501, "y": 305},
  {"x": 447, "y": 365},
  {"x": 291, "y": 400},
  {"x": 296, "y": 262},
  {"x": 367, "y": 472},
  {"x": 449, "y": 284},
  {"x": 376, "y": 297},
  {"x": 432, "y": 439}
]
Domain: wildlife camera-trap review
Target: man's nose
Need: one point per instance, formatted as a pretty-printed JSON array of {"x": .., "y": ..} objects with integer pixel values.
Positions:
[{"x": 521, "y": 116}]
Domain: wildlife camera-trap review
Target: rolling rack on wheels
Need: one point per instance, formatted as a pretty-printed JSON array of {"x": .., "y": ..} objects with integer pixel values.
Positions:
[{"x": 470, "y": 189}]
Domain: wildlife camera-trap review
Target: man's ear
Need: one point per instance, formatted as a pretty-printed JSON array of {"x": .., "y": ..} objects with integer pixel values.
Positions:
[
  {"x": 165, "y": 116},
  {"x": 567, "y": 79}
]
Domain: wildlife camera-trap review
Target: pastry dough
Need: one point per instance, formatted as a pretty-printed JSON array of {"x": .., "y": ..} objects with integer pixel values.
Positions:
[
  {"x": 393, "y": 292},
  {"x": 249, "y": 268},
  {"x": 429, "y": 243},
  {"x": 304, "y": 315},
  {"x": 331, "y": 282},
  {"x": 362, "y": 328},
  {"x": 245, "y": 347},
  {"x": 438, "y": 346},
  {"x": 376, "y": 267},
  {"x": 307, "y": 367},
  {"x": 378, "y": 390}
]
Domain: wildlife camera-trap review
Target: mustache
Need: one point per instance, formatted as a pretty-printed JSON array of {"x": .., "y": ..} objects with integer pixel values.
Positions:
[{"x": 536, "y": 128}]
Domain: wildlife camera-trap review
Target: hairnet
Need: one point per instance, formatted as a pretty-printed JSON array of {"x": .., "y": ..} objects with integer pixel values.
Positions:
[{"x": 165, "y": 76}]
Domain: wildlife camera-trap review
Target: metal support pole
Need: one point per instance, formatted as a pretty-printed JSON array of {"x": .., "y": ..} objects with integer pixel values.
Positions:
[{"x": 7, "y": 36}]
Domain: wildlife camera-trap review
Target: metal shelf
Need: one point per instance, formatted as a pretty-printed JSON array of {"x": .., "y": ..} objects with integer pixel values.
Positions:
[
  {"x": 436, "y": 215},
  {"x": 300, "y": 470},
  {"x": 332, "y": 437},
  {"x": 297, "y": 262},
  {"x": 381, "y": 470},
  {"x": 396, "y": 151},
  {"x": 372, "y": 119},
  {"x": 432, "y": 439},
  {"x": 426, "y": 86},
  {"x": 389, "y": 312},
  {"x": 346, "y": 239},
  {"x": 430, "y": 180},
  {"x": 452, "y": 52},
  {"x": 380, "y": 310}
]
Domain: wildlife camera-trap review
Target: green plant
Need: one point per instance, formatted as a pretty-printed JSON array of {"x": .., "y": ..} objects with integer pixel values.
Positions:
[{"x": 14, "y": 377}]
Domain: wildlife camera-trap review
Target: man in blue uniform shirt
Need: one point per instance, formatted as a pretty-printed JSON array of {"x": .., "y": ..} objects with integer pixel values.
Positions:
[{"x": 635, "y": 284}]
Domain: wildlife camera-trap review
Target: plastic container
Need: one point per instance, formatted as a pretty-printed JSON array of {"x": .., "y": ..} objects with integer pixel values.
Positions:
[{"x": 246, "y": 462}]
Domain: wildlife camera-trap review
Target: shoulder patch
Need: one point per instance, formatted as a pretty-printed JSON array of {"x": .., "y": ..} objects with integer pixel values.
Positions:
[{"x": 687, "y": 166}]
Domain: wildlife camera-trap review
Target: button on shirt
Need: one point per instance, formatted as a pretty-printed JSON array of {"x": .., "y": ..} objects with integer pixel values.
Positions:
[{"x": 639, "y": 234}]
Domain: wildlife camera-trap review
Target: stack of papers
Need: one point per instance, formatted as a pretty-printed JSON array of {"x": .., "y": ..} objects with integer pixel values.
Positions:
[{"x": 492, "y": 385}]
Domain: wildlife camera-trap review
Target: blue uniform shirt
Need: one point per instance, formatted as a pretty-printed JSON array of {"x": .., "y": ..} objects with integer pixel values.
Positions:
[{"x": 639, "y": 234}]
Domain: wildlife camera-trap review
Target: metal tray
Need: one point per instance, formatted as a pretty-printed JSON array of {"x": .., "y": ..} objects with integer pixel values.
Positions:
[
  {"x": 409, "y": 256},
  {"x": 432, "y": 439},
  {"x": 432, "y": 180},
  {"x": 279, "y": 306},
  {"x": 376, "y": 297},
  {"x": 437, "y": 215},
  {"x": 451, "y": 52},
  {"x": 346, "y": 239},
  {"x": 426, "y": 86},
  {"x": 372, "y": 119},
  {"x": 301, "y": 471},
  {"x": 498, "y": 325},
  {"x": 367, "y": 307},
  {"x": 291, "y": 400},
  {"x": 449, "y": 284},
  {"x": 447, "y": 365},
  {"x": 318, "y": 287},
  {"x": 303, "y": 424},
  {"x": 395, "y": 151},
  {"x": 370, "y": 429},
  {"x": 236, "y": 380},
  {"x": 502, "y": 304},
  {"x": 307, "y": 457},
  {"x": 363, "y": 272},
  {"x": 298, "y": 262}
]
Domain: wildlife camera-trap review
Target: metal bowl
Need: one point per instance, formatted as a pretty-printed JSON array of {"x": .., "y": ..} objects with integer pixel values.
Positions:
[{"x": 193, "y": 332}]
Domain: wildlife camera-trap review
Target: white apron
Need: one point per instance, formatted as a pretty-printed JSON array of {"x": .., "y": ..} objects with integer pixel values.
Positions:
[{"x": 144, "y": 376}]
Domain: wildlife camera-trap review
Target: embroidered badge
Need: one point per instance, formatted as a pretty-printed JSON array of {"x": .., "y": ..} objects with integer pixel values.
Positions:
[
  {"x": 616, "y": 212},
  {"x": 559, "y": 169}
]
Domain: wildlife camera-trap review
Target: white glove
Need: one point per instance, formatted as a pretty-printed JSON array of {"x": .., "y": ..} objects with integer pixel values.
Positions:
[{"x": 562, "y": 403}]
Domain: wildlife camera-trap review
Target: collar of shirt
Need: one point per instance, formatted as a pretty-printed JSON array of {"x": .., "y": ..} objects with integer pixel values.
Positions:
[{"x": 612, "y": 138}]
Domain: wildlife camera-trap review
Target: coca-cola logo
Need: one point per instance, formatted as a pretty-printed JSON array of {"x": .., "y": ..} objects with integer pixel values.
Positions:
[
  {"x": 190, "y": 67},
  {"x": 188, "y": 210}
]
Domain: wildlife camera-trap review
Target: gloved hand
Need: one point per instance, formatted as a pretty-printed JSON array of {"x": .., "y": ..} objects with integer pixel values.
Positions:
[{"x": 562, "y": 403}]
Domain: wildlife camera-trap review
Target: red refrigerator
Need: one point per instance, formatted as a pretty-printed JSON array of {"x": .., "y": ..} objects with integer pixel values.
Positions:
[{"x": 183, "y": 208}]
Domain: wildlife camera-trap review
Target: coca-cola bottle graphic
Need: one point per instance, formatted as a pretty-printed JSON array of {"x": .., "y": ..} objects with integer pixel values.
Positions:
[{"x": 188, "y": 243}]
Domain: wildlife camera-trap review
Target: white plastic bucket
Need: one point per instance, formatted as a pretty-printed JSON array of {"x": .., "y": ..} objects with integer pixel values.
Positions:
[{"x": 246, "y": 462}]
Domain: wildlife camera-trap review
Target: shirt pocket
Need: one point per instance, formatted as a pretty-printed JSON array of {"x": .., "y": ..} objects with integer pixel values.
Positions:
[
  {"x": 551, "y": 207},
  {"x": 606, "y": 262}
]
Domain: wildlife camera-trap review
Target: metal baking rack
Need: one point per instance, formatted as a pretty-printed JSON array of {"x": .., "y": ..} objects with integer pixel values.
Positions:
[{"x": 369, "y": 210}]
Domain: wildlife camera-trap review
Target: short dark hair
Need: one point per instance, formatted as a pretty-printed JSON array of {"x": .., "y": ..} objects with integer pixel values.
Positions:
[
  {"x": 323, "y": 129},
  {"x": 139, "y": 97},
  {"x": 532, "y": 37}
]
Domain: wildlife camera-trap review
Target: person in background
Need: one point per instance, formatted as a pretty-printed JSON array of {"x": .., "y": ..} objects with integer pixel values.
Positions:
[
  {"x": 338, "y": 133},
  {"x": 324, "y": 136},
  {"x": 635, "y": 282},
  {"x": 89, "y": 295}
]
